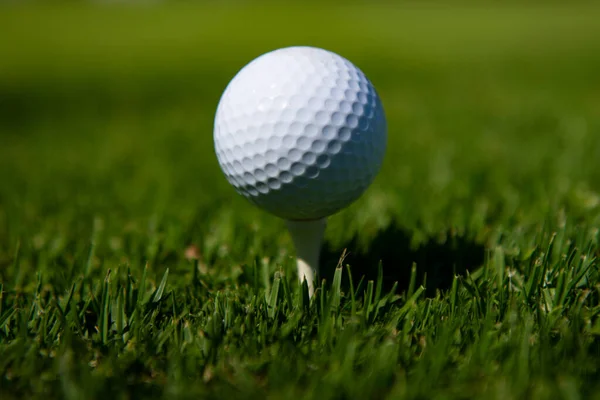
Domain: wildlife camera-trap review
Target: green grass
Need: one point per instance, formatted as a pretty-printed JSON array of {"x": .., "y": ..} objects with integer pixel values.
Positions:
[{"x": 129, "y": 268}]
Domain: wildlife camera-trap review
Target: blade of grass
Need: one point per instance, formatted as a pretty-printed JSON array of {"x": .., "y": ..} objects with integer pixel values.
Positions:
[{"x": 161, "y": 287}]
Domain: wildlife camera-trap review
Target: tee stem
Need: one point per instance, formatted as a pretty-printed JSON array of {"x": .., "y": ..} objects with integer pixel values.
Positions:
[{"x": 307, "y": 237}]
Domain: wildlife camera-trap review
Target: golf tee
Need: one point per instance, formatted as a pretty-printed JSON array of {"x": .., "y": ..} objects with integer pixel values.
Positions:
[{"x": 307, "y": 237}]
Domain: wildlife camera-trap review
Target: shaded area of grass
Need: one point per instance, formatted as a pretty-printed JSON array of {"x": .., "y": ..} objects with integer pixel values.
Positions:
[
  {"x": 129, "y": 268},
  {"x": 436, "y": 262}
]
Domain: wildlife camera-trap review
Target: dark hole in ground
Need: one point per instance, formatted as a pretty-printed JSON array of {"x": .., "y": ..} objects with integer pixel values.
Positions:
[{"x": 391, "y": 246}]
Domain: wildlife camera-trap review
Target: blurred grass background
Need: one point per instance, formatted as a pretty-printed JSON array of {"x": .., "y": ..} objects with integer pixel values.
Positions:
[
  {"x": 112, "y": 105},
  {"x": 107, "y": 110}
]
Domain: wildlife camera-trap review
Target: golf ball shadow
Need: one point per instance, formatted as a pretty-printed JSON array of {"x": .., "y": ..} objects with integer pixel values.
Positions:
[{"x": 438, "y": 262}]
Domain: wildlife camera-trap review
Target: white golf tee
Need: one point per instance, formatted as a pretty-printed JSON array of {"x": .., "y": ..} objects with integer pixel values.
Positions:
[{"x": 307, "y": 237}]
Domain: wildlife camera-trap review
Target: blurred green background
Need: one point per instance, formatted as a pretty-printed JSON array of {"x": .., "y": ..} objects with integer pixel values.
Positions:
[{"x": 106, "y": 114}]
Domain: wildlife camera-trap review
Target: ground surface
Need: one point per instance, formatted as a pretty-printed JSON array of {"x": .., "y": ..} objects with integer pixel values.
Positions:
[{"x": 130, "y": 269}]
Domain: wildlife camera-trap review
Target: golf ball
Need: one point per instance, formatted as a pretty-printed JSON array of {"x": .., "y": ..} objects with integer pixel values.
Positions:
[{"x": 300, "y": 132}]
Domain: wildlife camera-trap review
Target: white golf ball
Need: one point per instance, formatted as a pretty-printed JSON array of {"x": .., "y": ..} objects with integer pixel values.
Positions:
[{"x": 300, "y": 132}]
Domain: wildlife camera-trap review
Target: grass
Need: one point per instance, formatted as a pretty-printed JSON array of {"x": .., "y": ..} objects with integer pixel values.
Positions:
[{"x": 129, "y": 268}]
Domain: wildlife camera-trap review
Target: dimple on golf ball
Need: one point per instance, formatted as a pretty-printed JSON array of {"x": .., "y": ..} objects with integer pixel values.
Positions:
[{"x": 300, "y": 132}]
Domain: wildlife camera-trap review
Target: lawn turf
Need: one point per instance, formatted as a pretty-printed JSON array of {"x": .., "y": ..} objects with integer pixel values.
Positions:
[{"x": 129, "y": 268}]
